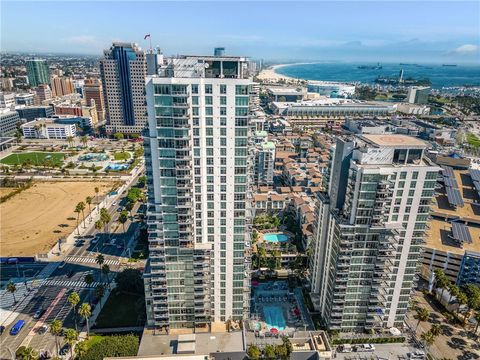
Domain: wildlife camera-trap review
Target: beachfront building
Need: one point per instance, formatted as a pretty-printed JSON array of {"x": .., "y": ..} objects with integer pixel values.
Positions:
[
  {"x": 331, "y": 89},
  {"x": 199, "y": 157},
  {"x": 286, "y": 94},
  {"x": 123, "y": 70},
  {"x": 369, "y": 231}
]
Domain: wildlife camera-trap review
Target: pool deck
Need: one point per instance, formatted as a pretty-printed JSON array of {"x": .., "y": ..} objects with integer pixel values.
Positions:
[{"x": 268, "y": 295}]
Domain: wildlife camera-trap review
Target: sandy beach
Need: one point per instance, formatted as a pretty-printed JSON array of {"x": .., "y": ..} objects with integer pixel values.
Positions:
[{"x": 269, "y": 74}]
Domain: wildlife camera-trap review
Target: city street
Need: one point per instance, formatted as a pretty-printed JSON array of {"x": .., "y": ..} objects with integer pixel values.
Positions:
[{"x": 50, "y": 284}]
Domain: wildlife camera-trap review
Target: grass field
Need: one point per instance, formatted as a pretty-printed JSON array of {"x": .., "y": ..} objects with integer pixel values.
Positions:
[
  {"x": 35, "y": 158},
  {"x": 473, "y": 140},
  {"x": 121, "y": 155},
  {"x": 118, "y": 311},
  {"x": 33, "y": 220}
]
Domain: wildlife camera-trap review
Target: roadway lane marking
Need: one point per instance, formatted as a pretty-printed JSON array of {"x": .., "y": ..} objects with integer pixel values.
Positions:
[{"x": 41, "y": 321}]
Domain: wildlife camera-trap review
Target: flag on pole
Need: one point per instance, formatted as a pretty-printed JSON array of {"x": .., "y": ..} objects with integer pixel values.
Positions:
[{"x": 146, "y": 36}]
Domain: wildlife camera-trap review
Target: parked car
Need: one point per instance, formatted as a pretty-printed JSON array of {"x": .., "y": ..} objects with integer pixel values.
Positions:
[
  {"x": 45, "y": 355},
  {"x": 42, "y": 329},
  {"x": 65, "y": 349},
  {"x": 38, "y": 314},
  {"x": 17, "y": 327},
  {"x": 345, "y": 348},
  {"x": 419, "y": 354}
]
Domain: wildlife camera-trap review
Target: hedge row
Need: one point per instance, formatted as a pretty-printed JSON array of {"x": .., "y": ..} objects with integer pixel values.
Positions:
[{"x": 113, "y": 346}]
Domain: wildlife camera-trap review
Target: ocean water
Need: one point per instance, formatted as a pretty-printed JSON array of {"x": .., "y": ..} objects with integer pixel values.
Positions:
[{"x": 440, "y": 76}]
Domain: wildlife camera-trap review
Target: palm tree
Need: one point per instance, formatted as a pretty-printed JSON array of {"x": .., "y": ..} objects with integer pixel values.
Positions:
[
  {"x": 11, "y": 288},
  {"x": 78, "y": 210},
  {"x": 81, "y": 206},
  {"x": 29, "y": 354},
  {"x": 89, "y": 279},
  {"x": 85, "y": 311},
  {"x": 55, "y": 330},
  {"x": 97, "y": 190},
  {"x": 454, "y": 291},
  {"x": 422, "y": 315},
  {"x": 105, "y": 217},
  {"x": 98, "y": 225},
  {"x": 100, "y": 260},
  {"x": 477, "y": 317},
  {"x": 122, "y": 218},
  {"x": 84, "y": 140},
  {"x": 81, "y": 349},
  {"x": 462, "y": 299},
  {"x": 436, "y": 329},
  {"x": 99, "y": 292},
  {"x": 70, "y": 140},
  {"x": 441, "y": 281},
  {"x": 74, "y": 299},
  {"x": 71, "y": 336},
  {"x": 106, "y": 271},
  {"x": 428, "y": 338},
  {"x": 88, "y": 200}
]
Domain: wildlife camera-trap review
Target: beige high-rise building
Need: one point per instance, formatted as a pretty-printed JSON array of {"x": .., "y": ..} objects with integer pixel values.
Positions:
[
  {"x": 43, "y": 93},
  {"x": 61, "y": 86},
  {"x": 123, "y": 71},
  {"x": 92, "y": 90}
]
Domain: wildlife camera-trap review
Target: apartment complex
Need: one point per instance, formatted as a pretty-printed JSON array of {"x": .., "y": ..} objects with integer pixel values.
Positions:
[
  {"x": 37, "y": 72},
  {"x": 369, "y": 231},
  {"x": 199, "y": 158},
  {"x": 123, "y": 70}
]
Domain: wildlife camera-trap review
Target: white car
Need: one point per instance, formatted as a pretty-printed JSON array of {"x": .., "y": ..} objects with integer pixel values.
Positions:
[{"x": 368, "y": 347}]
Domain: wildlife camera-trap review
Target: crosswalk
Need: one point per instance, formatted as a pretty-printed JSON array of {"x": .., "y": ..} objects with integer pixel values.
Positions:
[
  {"x": 85, "y": 259},
  {"x": 72, "y": 284}
]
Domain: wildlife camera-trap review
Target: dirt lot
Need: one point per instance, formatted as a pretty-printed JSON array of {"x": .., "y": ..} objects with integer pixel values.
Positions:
[
  {"x": 33, "y": 221},
  {"x": 6, "y": 191}
]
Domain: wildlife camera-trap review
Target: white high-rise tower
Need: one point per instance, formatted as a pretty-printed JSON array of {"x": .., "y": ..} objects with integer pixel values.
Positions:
[
  {"x": 199, "y": 167},
  {"x": 370, "y": 230}
]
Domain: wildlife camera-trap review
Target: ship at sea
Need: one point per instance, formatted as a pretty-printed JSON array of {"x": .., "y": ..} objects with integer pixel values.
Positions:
[
  {"x": 370, "y": 67},
  {"x": 449, "y": 64}
]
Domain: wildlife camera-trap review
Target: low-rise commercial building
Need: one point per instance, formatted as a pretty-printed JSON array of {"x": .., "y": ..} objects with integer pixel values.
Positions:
[
  {"x": 33, "y": 112},
  {"x": 48, "y": 129},
  {"x": 331, "y": 89},
  {"x": 459, "y": 258},
  {"x": 26, "y": 99},
  {"x": 7, "y": 100},
  {"x": 8, "y": 122}
]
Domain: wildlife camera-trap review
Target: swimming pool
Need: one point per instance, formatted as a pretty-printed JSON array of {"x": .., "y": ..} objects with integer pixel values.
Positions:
[
  {"x": 117, "y": 167},
  {"x": 275, "y": 237},
  {"x": 274, "y": 317}
]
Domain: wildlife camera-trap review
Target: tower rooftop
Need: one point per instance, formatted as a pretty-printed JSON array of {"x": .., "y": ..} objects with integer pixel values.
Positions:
[{"x": 393, "y": 140}]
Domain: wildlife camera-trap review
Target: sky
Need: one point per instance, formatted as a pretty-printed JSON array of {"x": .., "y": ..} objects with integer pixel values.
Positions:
[{"x": 428, "y": 31}]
